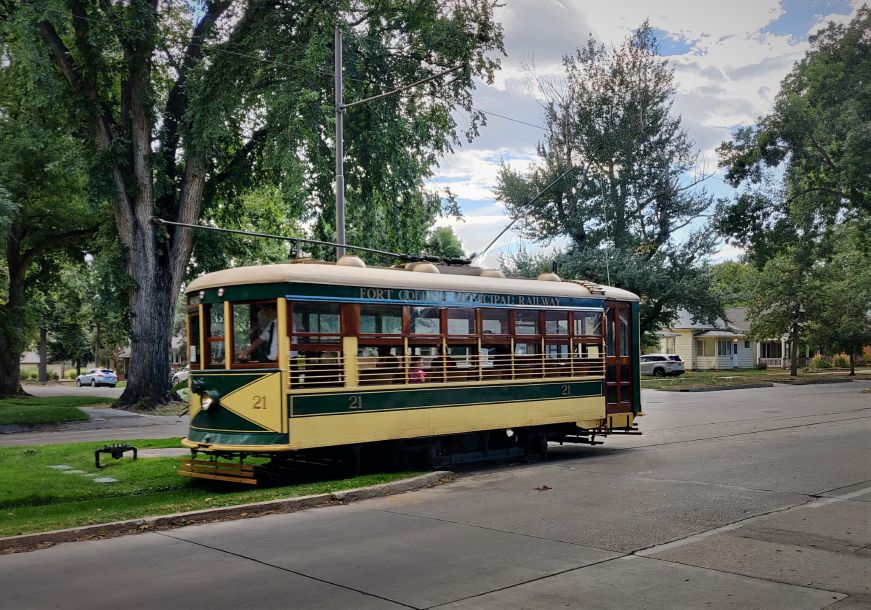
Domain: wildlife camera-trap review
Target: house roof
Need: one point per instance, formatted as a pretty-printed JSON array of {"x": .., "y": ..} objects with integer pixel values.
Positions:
[
  {"x": 737, "y": 317},
  {"x": 735, "y": 323},
  {"x": 720, "y": 333}
]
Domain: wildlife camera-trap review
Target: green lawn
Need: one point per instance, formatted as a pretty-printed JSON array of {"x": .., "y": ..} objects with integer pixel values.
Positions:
[
  {"x": 45, "y": 410},
  {"x": 35, "y": 497},
  {"x": 703, "y": 379}
]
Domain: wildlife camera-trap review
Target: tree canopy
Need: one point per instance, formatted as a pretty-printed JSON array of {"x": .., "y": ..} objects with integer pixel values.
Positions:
[
  {"x": 187, "y": 110},
  {"x": 442, "y": 241},
  {"x": 818, "y": 135},
  {"x": 47, "y": 207},
  {"x": 804, "y": 213},
  {"x": 631, "y": 208}
]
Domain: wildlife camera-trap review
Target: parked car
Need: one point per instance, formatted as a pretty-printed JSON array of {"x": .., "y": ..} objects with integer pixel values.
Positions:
[
  {"x": 180, "y": 375},
  {"x": 662, "y": 365},
  {"x": 95, "y": 377}
]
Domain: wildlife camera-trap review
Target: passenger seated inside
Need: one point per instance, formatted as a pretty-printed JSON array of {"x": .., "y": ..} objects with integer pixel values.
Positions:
[
  {"x": 445, "y": 367},
  {"x": 499, "y": 357},
  {"x": 417, "y": 374},
  {"x": 388, "y": 367}
]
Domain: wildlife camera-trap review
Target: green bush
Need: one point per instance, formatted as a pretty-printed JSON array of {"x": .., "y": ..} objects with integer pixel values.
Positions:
[
  {"x": 28, "y": 374},
  {"x": 70, "y": 374},
  {"x": 820, "y": 362},
  {"x": 840, "y": 361},
  {"x": 761, "y": 366}
]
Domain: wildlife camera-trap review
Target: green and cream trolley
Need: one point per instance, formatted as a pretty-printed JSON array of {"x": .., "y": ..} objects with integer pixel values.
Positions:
[{"x": 450, "y": 361}]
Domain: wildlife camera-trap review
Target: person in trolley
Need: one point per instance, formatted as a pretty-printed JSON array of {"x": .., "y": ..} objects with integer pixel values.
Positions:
[{"x": 269, "y": 337}]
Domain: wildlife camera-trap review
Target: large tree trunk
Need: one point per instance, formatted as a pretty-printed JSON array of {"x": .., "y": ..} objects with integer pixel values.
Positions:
[
  {"x": 10, "y": 369},
  {"x": 43, "y": 355},
  {"x": 11, "y": 314},
  {"x": 152, "y": 303}
]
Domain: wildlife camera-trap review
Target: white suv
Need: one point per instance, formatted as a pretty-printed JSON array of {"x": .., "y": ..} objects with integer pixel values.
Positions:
[{"x": 661, "y": 365}]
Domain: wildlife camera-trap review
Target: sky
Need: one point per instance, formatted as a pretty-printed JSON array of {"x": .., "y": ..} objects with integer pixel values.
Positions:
[{"x": 728, "y": 57}]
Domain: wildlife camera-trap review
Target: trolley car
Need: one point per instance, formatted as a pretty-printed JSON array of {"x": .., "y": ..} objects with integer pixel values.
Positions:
[{"x": 450, "y": 362}]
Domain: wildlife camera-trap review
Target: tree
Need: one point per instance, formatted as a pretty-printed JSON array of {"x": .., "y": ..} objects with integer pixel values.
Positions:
[
  {"x": 805, "y": 169},
  {"x": 46, "y": 211},
  {"x": 183, "y": 119},
  {"x": 734, "y": 282},
  {"x": 782, "y": 297},
  {"x": 818, "y": 134},
  {"x": 840, "y": 317},
  {"x": 632, "y": 190},
  {"x": 442, "y": 241},
  {"x": 70, "y": 315}
]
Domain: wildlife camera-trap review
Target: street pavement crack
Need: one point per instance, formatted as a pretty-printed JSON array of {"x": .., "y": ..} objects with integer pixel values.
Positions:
[
  {"x": 526, "y": 582},
  {"x": 492, "y": 529},
  {"x": 288, "y": 570}
]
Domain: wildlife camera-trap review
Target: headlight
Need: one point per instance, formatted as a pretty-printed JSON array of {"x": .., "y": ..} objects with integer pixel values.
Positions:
[{"x": 209, "y": 399}]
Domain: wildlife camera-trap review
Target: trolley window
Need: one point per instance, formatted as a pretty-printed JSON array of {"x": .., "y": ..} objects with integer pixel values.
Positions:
[
  {"x": 215, "y": 335},
  {"x": 610, "y": 332},
  {"x": 495, "y": 322},
  {"x": 588, "y": 324},
  {"x": 380, "y": 320},
  {"x": 316, "y": 323},
  {"x": 253, "y": 323},
  {"x": 624, "y": 331},
  {"x": 526, "y": 322},
  {"x": 556, "y": 323},
  {"x": 461, "y": 322},
  {"x": 194, "y": 347},
  {"x": 425, "y": 321}
]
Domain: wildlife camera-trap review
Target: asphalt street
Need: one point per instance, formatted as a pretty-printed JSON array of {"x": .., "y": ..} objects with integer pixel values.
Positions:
[{"x": 747, "y": 498}]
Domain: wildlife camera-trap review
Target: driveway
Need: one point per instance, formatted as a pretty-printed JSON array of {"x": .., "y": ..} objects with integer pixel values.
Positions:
[
  {"x": 104, "y": 424},
  {"x": 70, "y": 389}
]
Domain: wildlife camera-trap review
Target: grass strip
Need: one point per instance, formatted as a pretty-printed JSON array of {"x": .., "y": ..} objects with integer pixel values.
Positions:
[
  {"x": 25, "y": 411},
  {"x": 35, "y": 497},
  {"x": 727, "y": 377}
]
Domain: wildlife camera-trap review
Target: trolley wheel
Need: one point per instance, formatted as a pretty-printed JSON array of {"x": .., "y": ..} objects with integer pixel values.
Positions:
[{"x": 536, "y": 449}]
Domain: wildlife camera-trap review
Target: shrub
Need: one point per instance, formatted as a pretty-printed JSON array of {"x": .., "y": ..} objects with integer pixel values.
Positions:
[
  {"x": 820, "y": 362},
  {"x": 28, "y": 374},
  {"x": 840, "y": 361},
  {"x": 70, "y": 374},
  {"x": 761, "y": 366}
]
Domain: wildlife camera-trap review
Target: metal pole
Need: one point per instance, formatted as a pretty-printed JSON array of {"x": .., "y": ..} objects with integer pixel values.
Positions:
[{"x": 340, "y": 151}]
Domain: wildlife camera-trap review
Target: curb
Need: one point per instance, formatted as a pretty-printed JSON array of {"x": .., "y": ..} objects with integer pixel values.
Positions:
[
  {"x": 29, "y": 542},
  {"x": 742, "y": 386},
  {"x": 812, "y": 381}
]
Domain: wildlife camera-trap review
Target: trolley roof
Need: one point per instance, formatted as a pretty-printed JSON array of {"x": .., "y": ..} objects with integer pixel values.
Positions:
[{"x": 379, "y": 277}]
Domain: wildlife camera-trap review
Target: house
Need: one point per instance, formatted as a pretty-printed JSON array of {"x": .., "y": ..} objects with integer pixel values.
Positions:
[{"x": 722, "y": 345}]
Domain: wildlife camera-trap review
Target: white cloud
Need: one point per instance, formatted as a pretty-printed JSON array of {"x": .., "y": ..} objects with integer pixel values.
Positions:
[
  {"x": 728, "y": 77},
  {"x": 472, "y": 174}
]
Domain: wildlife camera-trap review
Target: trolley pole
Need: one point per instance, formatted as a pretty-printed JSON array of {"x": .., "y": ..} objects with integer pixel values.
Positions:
[{"x": 340, "y": 150}]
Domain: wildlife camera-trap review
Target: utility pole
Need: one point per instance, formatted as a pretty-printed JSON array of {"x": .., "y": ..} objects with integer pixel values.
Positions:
[
  {"x": 340, "y": 150},
  {"x": 340, "y": 138}
]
